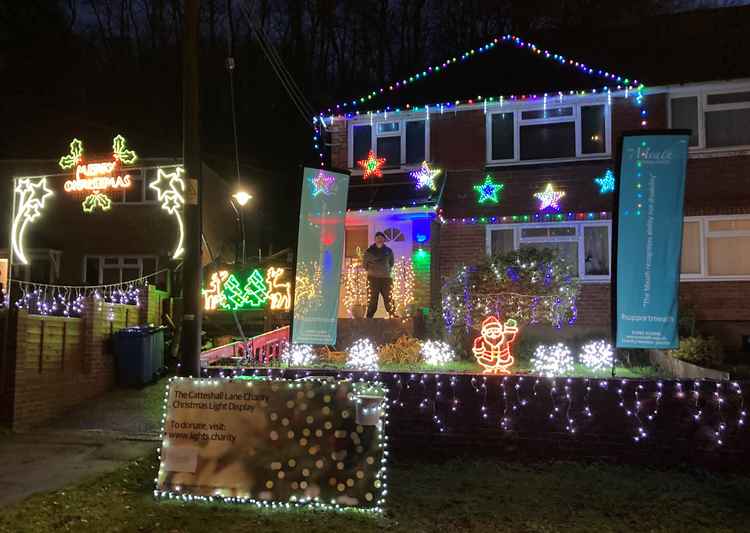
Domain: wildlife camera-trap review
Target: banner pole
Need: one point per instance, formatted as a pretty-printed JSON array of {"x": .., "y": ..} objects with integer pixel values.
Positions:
[{"x": 613, "y": 260}]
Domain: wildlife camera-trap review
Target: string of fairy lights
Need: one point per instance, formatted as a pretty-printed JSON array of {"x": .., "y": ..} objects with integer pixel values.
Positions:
[
  {"x": 514, "y": 403},
  {"x": 355, "y": 107}
]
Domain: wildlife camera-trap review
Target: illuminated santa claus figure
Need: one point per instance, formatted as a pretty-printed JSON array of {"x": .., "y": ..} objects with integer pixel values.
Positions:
[{"x": 492, "y": 349}]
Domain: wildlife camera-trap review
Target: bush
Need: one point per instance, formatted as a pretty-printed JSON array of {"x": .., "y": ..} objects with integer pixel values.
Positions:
[
  {"x": 405, "y": 351},
  {"x": 701, "y": 351}
]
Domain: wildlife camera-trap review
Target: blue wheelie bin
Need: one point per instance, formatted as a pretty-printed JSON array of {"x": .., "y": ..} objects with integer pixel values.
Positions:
[{"x": 133, "y": 353}]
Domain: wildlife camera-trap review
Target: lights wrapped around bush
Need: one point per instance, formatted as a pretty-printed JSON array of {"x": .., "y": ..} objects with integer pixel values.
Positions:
[
  {"x": 596, "y": 355},
  {"x": 403, "y": 285},
  {"x": 298, "y": 355},
  {"x": 528, "y": 285},
  {"x": 437, "y": 353},
  {"x": 551, "y": 361},
  {"x": 362, "y": 355},
  {"x": 355, "y": 287}
]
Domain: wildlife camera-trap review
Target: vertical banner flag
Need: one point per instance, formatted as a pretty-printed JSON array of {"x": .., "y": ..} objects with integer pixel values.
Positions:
[
  {"x": 320, "y": 252},
  {"x": 649, "y": 238}
]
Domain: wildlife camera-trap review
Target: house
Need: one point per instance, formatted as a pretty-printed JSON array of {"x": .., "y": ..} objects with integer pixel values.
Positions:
[{"x": 501, "y": 156}]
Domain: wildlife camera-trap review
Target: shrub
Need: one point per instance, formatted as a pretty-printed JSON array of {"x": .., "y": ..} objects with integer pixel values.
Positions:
[
  {"x": 405, "y": 351},
  {"x": 701, "y": 351}
]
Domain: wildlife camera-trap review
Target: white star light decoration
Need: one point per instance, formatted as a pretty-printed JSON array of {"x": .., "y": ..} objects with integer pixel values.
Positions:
[
  {"x": 549, "y": 198},
  {"x": 424, "y": 177},
  {"x": 32, "y": 195},
  {"x": 323, "y": 184},
  {"x": 170, "y": 187}
]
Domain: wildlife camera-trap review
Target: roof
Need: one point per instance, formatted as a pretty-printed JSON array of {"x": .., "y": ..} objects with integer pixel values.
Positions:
[
  {"x": 692, "y": 46},
  {"x": 391, "y": 191}
]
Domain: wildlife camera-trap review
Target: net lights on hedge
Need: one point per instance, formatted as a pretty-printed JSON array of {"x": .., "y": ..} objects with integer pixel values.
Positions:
[
  {"x": 170, "y": 188},
  {"x": 597, "y": 356},
  {"x": 549, "y": 198},
  {"x": 31, "y": 197},
  {"x": 488, "y": 191},
  {"x": 98, "y": 177},
  {"x": 424, "y": 176},
  {"x": 372, "y": 166},
  {"x": 492, "y": 349},
  {"x": 606, "y": 182}
]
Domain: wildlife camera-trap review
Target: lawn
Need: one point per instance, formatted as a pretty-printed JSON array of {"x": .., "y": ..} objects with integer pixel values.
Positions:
[{"x": 459, "y": 496}]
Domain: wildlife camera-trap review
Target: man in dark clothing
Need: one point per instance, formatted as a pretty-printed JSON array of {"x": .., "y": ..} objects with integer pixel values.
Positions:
[{"x": 378, "y": 264}]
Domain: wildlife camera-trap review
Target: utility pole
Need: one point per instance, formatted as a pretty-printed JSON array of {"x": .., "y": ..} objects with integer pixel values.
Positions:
[{"x": 192, "y": 317}]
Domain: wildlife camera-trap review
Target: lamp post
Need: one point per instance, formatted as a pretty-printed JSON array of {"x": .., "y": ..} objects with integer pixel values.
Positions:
[{"x": 241, "y": 197}]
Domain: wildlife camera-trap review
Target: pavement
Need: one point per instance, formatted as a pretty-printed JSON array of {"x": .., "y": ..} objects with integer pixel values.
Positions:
[{"x": 93, "y": 439}]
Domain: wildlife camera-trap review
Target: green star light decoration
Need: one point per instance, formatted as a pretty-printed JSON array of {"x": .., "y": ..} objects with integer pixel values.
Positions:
[{"x": 488, "y": 191}]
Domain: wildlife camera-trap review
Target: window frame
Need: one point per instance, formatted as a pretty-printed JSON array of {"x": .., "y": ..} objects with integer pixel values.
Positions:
[
  {"x": 553, "y": 103},
  {"x": 705, "y": 234},
  {"x": 100, "y": 258},
  {"x": 374, "y": 136},
  {"x": 119, "y": 197},
  {"x": 702, "y": 94},
  {"x": 579, "y": 226}
]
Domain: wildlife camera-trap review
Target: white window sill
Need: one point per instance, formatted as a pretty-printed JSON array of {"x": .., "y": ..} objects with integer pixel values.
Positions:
[{"x": 508, "y": 163}]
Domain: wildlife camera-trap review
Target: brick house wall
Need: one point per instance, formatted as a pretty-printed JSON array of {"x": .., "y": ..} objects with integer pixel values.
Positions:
[{"x": 716, "y": 184}]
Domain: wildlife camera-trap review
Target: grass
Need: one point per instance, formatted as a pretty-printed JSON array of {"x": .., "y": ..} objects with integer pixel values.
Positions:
[{"x": 459, "y": 496}]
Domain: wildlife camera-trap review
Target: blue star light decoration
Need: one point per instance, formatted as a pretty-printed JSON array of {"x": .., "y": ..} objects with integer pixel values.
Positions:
[
  {"x": 549, "y": 198},
  {"x": 606, "y": 182},
  {"x": 424, "y": 176},
  {"x": 489, "y": 191},
  {"x": 323, "y": 184}
]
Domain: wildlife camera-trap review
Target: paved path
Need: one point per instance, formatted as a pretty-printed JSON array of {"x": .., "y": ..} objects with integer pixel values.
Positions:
[{"x": 91, "y": 440}]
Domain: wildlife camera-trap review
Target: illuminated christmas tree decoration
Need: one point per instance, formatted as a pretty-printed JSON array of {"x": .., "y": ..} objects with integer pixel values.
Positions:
[
  {"x": 32, "y": 194},
  {"x": 551, "y": 361},
  {"x": 323, "y": 183},
  {"x": 549, "y": 198},
  {"x": 606, "y": 182},
  {"x": 437, "y": 352},
  {"x": 355, "y": 286},
  {"x": 488, "y": 191},
  {"x": 170, "y": 188},
  {"x": 298, "y": 355},
  {"x": 234, "y": 296},
  {"x": 372, "y": 166},
  {"x": 213, "y": 297},
  {"x": 362, "y": 355},
  {"x": 255, "y": 289},
  {"x": 279, "y": 294},
  {"x": 597, "y": 355},
  {"x": 402, "y": 290},
  {"x": 492, "y": 349},
  {"x": 424, "y": 177}
]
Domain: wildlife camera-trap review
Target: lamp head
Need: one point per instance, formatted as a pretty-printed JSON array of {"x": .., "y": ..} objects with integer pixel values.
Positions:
[{"x": 242, "y": 197}]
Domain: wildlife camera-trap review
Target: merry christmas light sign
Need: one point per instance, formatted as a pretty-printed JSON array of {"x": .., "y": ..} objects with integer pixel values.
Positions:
[{"x": 100, "y": 177}]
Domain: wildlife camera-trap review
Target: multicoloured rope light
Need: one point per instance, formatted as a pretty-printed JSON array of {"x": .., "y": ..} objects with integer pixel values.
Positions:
[
  {"x": 570, "y": 216},
  {"x": 621, "y": 83}
]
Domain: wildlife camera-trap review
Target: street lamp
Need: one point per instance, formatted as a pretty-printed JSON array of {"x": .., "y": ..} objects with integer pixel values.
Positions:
[{"x": 242, "y": 198}]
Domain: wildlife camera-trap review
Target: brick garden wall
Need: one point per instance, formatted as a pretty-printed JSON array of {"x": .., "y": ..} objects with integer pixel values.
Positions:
[
  {"x": 440, "y": 416},
  {"x": 62, "y": 362}
]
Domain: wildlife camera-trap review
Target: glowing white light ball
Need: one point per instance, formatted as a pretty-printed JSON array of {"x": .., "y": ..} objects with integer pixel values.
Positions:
[
  {"x": 362, "y": 355},
  {"x": 437, "y": 352},
  {"x": 596, "y": 355},
  {"x": 551, "y": 361},
  {"x": 298, "y": 355}
]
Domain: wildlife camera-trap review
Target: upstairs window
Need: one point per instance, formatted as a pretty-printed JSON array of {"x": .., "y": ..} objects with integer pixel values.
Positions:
[
  {"x": 548, "y": 133},
  {"x": 402, "y": 142},
  {"x": 716, "y": 119}
]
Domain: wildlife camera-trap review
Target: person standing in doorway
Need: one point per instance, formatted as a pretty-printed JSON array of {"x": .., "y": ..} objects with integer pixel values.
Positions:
[{"x": 378, "y": 264}]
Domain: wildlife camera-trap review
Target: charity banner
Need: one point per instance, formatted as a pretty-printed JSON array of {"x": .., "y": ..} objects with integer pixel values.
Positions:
[
  {"x": 258, "y": 440},
  {"x": 320, "y": 252},
  {"x": 649, "y": 238}
]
